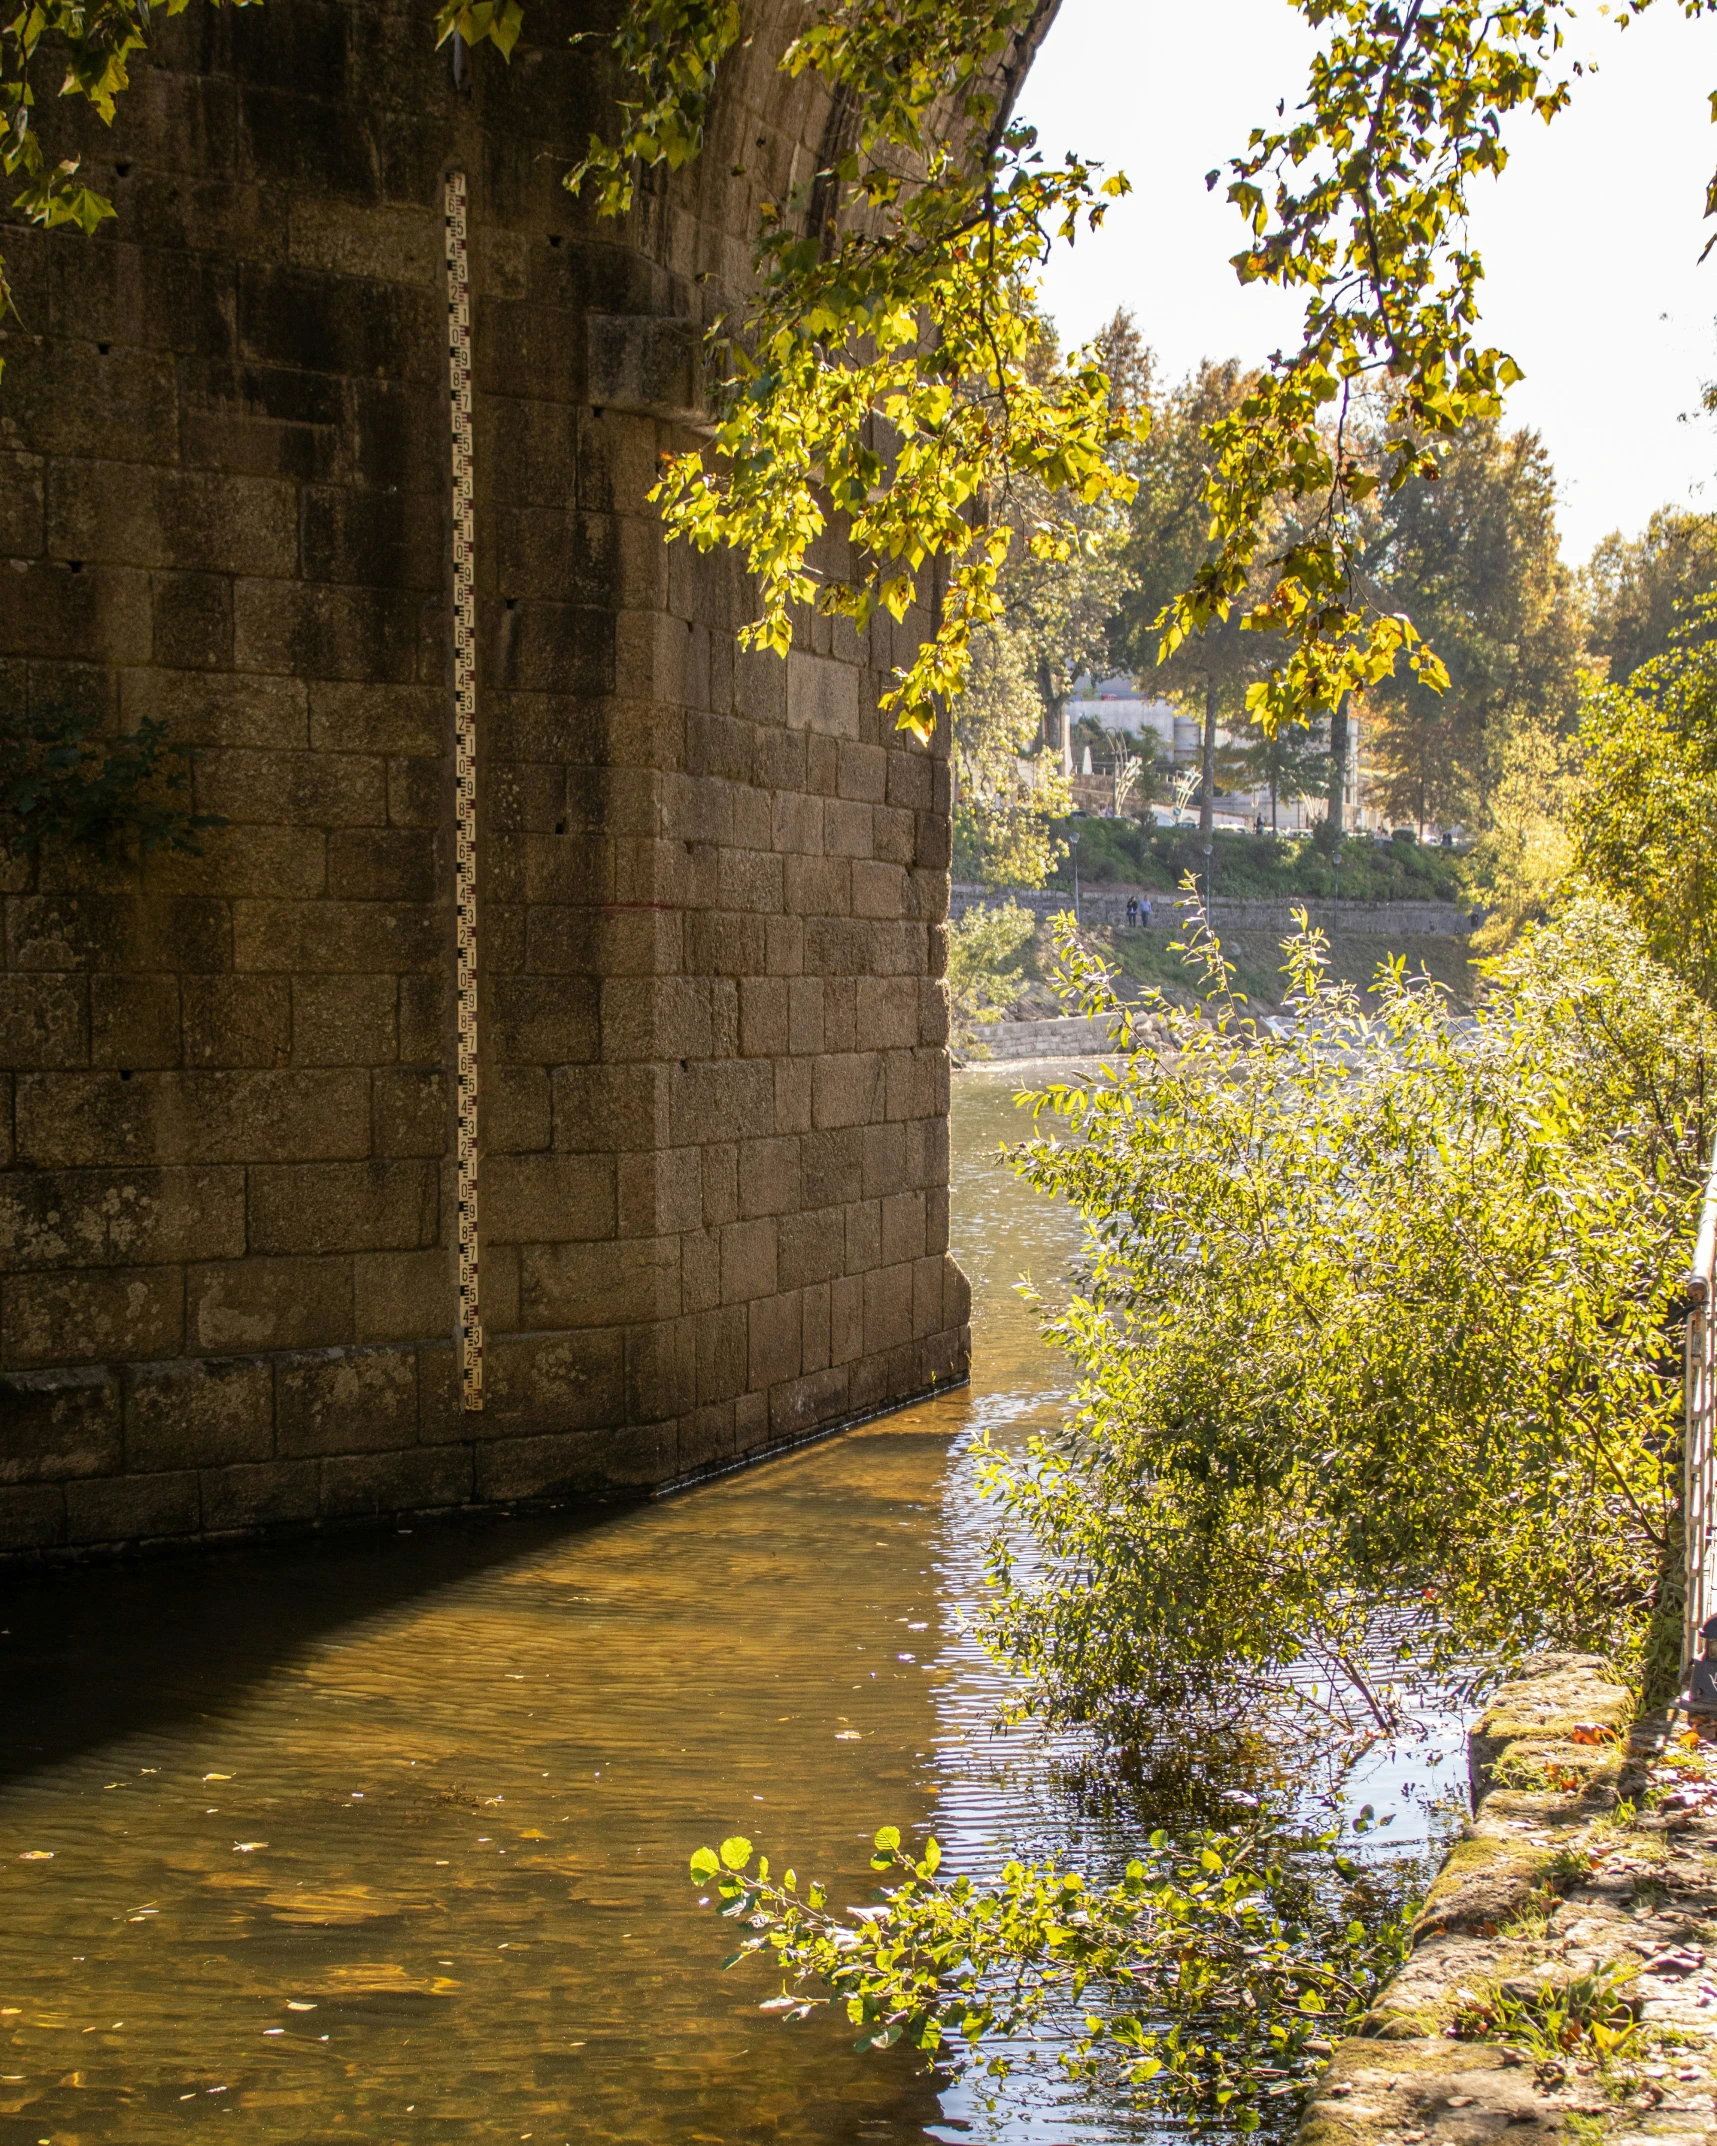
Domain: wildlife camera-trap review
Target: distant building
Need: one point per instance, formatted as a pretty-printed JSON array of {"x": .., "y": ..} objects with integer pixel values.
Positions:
[{"x": 1118, "y": 704}]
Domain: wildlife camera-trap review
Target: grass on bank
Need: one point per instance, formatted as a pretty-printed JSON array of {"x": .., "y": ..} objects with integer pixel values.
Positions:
[
  {"x": 1143, "y": 960},
  {"x": 1262, "y": 867}
]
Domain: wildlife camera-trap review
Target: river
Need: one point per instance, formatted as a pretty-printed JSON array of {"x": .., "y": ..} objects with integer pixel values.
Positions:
[{"x": 384, "y": 1838}]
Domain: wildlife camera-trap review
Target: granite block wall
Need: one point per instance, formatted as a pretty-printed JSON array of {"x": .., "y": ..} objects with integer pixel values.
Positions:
[{"x": 712, "y": 886}]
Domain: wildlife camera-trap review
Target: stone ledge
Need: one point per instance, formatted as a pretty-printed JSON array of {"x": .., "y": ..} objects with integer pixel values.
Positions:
[{"x": 1551, "y": 1761}]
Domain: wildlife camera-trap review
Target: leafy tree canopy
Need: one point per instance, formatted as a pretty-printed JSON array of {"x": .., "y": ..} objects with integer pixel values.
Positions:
[
  {"x": 1643, "y": 814},
  {"x": 985, "y": 949},
  {"x": 1474, "y": 560},
  {"x": 1169, "y": 544},
  {"x": 939, "y": 213},
  {"x": 1640, "y": 591},
  {"x": 1052, "y": 622}
]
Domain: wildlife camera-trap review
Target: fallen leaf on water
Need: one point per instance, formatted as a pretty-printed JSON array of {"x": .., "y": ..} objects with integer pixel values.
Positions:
[
  {"x": 217, "y": 1777},
  {"x": 297, "y": 2004},
  {"x": 533, "y": 1834},
  {"x": 37, "y": 1855},
  {"x": 248, "y": 1847},
  {"x": 846, "y": 1736}
]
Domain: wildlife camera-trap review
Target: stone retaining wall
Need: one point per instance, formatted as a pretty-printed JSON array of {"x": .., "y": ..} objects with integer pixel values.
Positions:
[
  {"x": 1108, "y": 906},
  {"x": 1078, "y": 1036}
]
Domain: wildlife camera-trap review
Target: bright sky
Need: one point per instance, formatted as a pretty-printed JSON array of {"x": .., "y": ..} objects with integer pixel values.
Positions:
[{"x": 1590, "y": 239}]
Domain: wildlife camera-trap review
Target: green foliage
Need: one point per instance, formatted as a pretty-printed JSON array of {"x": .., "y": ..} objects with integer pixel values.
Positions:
[
  {"x": 1474, "y": 560},
  {"x": 1053, "y": 623},
  {"x": 670, "y": 50},
  {"x": 1007, "y": 796},
  {"x": 97, "y": 39},
  {"x": 1209, "y": 674},
  {"x": 837, "y": 351},
  {"x": 1521, "y": 862},
  {"x": 1218, "y": 1964},
  {"x": 1584, "y": 2016},
  {"x": 1277, "y": 1457},
  {"x": 1291, "y": 761},
  {"x": 1641, "y": 593},
  {"x": 1149, "y": 957},
  {"x": 59, "y": 779},
  {"x": 1643, "y": 817},
  {"x": 1169, "y": 543},
  {"x": 984, "y": 951},
  {"x": 886, "y": 371},
  {"x": 1132, "y": 853}
]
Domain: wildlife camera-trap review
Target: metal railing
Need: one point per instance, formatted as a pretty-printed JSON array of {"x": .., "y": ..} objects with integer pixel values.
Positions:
[{"x": 1700, "y": 1440}]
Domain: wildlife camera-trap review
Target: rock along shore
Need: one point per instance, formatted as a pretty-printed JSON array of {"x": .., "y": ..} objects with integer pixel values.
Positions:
[{"x": 1593, "y": 1848}]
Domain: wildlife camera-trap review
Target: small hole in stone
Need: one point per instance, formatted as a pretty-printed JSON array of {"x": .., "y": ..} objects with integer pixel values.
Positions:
[
  {"x": 688, "y": 849},
  {"x": 596, "y": 409},
  {"x": 102, "y": 349},
  {"x": 683, "y": 1065},
  {"x": 512, "y": 603},
  {"x": 554, "y": 238},
  {"x": 560, "y": 827},
  {"x": 125, "y": 1072},
  {"x": 76, "y": 565},
  {"x": 122, "y": 171}
]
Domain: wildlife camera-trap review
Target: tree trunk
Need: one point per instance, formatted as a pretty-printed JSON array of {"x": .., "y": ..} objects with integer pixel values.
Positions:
[
  {"x": 1338, "y": 769},
  {"x": 1055, "y": 723}
]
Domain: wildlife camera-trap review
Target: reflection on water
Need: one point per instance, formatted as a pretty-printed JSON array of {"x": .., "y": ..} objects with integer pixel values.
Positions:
[{"x": 384, "y": 1840}]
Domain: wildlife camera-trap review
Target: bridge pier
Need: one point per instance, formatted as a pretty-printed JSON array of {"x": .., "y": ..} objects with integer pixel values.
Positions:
[{"x": 710, "y": 887}]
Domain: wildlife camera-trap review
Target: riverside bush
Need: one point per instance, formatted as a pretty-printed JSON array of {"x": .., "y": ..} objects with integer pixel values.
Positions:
[
  {"x": 1222, "y": 1962},
  {"x": 1375, "y": 1333},
  {"x": 985, "y": 950}
]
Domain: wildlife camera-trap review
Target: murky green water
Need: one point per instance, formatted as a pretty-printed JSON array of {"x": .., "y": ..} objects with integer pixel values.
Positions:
[{"x": 385, "y": 1839}]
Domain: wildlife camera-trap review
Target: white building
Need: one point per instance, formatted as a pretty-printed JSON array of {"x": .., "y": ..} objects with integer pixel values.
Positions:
[{"x": 1118, "y": 704}]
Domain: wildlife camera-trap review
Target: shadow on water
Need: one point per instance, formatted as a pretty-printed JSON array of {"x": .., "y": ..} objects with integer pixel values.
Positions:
[
  {"x": 385, "y": 1839},
  {"x": 106, "y": 1650}
]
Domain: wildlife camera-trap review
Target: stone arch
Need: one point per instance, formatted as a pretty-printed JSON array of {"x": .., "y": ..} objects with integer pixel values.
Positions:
[{"x": 711, "y": 887}]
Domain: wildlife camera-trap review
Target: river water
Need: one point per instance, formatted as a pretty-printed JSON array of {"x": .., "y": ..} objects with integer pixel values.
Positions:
[{"x": 385, "y": 1838}]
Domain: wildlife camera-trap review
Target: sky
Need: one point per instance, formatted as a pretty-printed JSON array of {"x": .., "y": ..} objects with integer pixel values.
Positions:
[{"x": 1591, "y": 237}]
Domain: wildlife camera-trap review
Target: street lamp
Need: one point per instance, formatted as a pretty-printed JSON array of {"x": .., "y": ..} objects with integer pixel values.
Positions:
[{"x": 1073, "y": 843}]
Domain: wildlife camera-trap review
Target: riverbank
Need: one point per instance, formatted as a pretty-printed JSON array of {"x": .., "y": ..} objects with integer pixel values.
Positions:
[
  {"x": 1252, "y": 935},
  {"x": 1591, "y": 1856}
]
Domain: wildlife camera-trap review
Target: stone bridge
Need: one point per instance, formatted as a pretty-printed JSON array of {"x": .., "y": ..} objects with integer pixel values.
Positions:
[{"x": 711, "y": 1125}]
